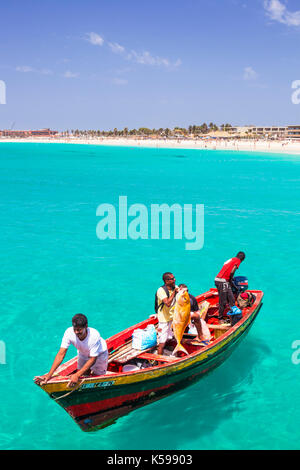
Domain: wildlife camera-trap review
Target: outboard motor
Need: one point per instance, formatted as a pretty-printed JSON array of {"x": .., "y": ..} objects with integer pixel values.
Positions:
[{"x": 239, "y": 284}]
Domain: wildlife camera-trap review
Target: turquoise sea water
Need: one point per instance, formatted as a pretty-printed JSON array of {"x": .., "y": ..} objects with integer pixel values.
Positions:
[{"x": 53, "y": 266}]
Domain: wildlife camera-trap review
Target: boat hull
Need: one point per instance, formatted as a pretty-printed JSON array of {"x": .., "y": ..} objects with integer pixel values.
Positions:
[{"x": 100, "y": 402}]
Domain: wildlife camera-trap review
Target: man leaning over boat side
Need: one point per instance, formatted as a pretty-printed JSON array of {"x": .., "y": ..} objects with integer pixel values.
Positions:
[
  {"x": 223, "y": 283},
  {"x": 165, "y": 297},
  {"x": 92, "y": 351}
]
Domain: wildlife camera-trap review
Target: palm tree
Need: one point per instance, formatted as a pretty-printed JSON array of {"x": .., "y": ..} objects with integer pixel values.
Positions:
[
  {"x": 204, "y": 128},
  {"x": 213, "y": 127}
]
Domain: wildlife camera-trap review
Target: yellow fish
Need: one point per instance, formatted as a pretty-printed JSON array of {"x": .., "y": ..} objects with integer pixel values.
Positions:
[{"x": 181, "y": 318}]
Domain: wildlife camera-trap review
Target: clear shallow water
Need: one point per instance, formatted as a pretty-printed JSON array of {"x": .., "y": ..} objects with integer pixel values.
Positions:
[{"x": 53, "y": 266}]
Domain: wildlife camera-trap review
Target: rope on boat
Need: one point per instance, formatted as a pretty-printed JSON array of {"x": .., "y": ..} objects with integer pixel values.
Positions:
[{"x": 71, "y": 391}]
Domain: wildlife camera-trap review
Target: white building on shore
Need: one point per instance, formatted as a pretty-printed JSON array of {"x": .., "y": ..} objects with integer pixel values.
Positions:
[{"x": 279, "y": 132}]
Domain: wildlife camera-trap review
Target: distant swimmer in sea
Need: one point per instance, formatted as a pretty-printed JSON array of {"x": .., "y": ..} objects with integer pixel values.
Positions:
[
  {"x": 223, "y": 282},
  {"x": 92, "y": 351}
]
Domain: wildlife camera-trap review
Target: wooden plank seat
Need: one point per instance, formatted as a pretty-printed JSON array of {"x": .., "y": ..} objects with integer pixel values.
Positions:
[
  {"x": 156, "y": 357},
  {"x": 132, "y": 354},
  {"x": 202, "y": 344},
  {"x": 126, "y": 352},
  {"x": 219, "y": 327},
  {"x": 219, "y": 330}
]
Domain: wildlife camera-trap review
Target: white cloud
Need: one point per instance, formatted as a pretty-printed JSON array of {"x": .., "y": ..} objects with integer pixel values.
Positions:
[
  {"x": 145, "y": 58},
  {"x": 250, "y": 74},
  {"x": 69, "y": 74},
  {"x": 95, "y": 39},
  {"x": 277, "y": 11},
  {"x": 46, "y": 72},
  {"x": 177, "y": 63},
  {"x": 25, "y": 68},
  {"x": 116, "y": 48},
  {"x": 120, "y": 81},
  {"x": 29, "y": 69}
]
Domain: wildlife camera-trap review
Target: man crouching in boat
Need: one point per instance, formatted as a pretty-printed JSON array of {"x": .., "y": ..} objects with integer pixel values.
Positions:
[
  {"x": 223, "y": 283},
  {"x": 92, "y": 351}
]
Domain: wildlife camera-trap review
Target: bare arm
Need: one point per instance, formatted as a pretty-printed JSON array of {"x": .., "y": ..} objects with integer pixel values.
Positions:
[
  {"x": 56, "y": 363},
  {"x": 232, "y": 272},
  {"x": 168, "y": 300},
  {"x": 75, "y": 377}
]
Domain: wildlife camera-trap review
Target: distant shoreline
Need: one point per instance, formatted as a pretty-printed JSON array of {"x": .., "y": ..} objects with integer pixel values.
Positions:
[{"x": 281, "y": 147}]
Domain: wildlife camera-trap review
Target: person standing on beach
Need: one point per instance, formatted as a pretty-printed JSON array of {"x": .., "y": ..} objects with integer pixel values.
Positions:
[{"x": 223, "y": 282}]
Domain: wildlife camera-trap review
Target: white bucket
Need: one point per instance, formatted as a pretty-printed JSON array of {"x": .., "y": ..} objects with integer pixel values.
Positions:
[{"x": 130, "y": 368}]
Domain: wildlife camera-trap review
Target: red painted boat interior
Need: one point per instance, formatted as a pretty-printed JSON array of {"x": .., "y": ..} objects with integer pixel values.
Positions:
[{"x": 121, "y": 338}]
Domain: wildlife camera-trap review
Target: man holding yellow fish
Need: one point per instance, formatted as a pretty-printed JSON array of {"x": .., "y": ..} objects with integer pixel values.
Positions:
[
  {"x": 198, "y": 317},
  {"x": 165, "y": 300},
  {"x": 186, "y": 309},
  {"x": 167, "y": 297},
  {"x": 181, "y": 318}
]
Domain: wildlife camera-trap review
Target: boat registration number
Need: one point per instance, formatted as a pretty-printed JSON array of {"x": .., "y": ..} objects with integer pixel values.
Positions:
[{"x": 97, "y": 385}]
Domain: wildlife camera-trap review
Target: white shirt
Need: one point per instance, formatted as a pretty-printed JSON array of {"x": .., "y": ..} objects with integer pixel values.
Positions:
[{"x": 91, "y": 346}]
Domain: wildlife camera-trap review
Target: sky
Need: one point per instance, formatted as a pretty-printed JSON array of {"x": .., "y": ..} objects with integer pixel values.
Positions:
[{"x": 101, "y": 64}]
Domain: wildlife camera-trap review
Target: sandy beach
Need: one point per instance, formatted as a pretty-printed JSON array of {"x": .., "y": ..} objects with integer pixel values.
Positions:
[{"x": 272, "y": 146}]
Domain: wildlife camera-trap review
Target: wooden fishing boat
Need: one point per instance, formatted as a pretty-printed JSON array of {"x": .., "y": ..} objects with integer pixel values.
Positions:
[{"x": 97, "y": 401}]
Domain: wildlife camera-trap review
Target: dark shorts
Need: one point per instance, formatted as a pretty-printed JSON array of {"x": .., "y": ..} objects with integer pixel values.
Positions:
[{"x": 225, "y": 296}]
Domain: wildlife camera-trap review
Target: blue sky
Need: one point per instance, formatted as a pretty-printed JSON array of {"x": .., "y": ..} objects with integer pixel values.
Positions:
[{"x": 115, "y": 63}]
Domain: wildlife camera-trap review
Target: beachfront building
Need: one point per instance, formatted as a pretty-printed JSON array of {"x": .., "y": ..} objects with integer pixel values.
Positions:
[
  {"x": 240, "y": 130},
  {"x": 29, "y": 133},
  {"x": 270, "y": 131},
  {"x": 286, "y": 132},
  {"x": 255, "y": 131},
  {"x": 293, "y": 132}
]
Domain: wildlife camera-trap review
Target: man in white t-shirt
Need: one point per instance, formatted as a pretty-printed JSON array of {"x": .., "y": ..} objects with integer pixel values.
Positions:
[{"x": 92, "y": 351}]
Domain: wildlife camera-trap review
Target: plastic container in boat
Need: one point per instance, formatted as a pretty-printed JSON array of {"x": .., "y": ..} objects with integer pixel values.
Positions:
[
  {"x": 130, "y": 368},
  {"x": 144, "y": 339}
]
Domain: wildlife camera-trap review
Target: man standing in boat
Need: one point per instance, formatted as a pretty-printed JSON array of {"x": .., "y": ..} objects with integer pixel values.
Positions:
[
  {"x": 223, "y": 282},
  {"x": 92, "y": 351},
  {"x": 165, "y": 300},
  {"x": 198, "y": 316}
]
